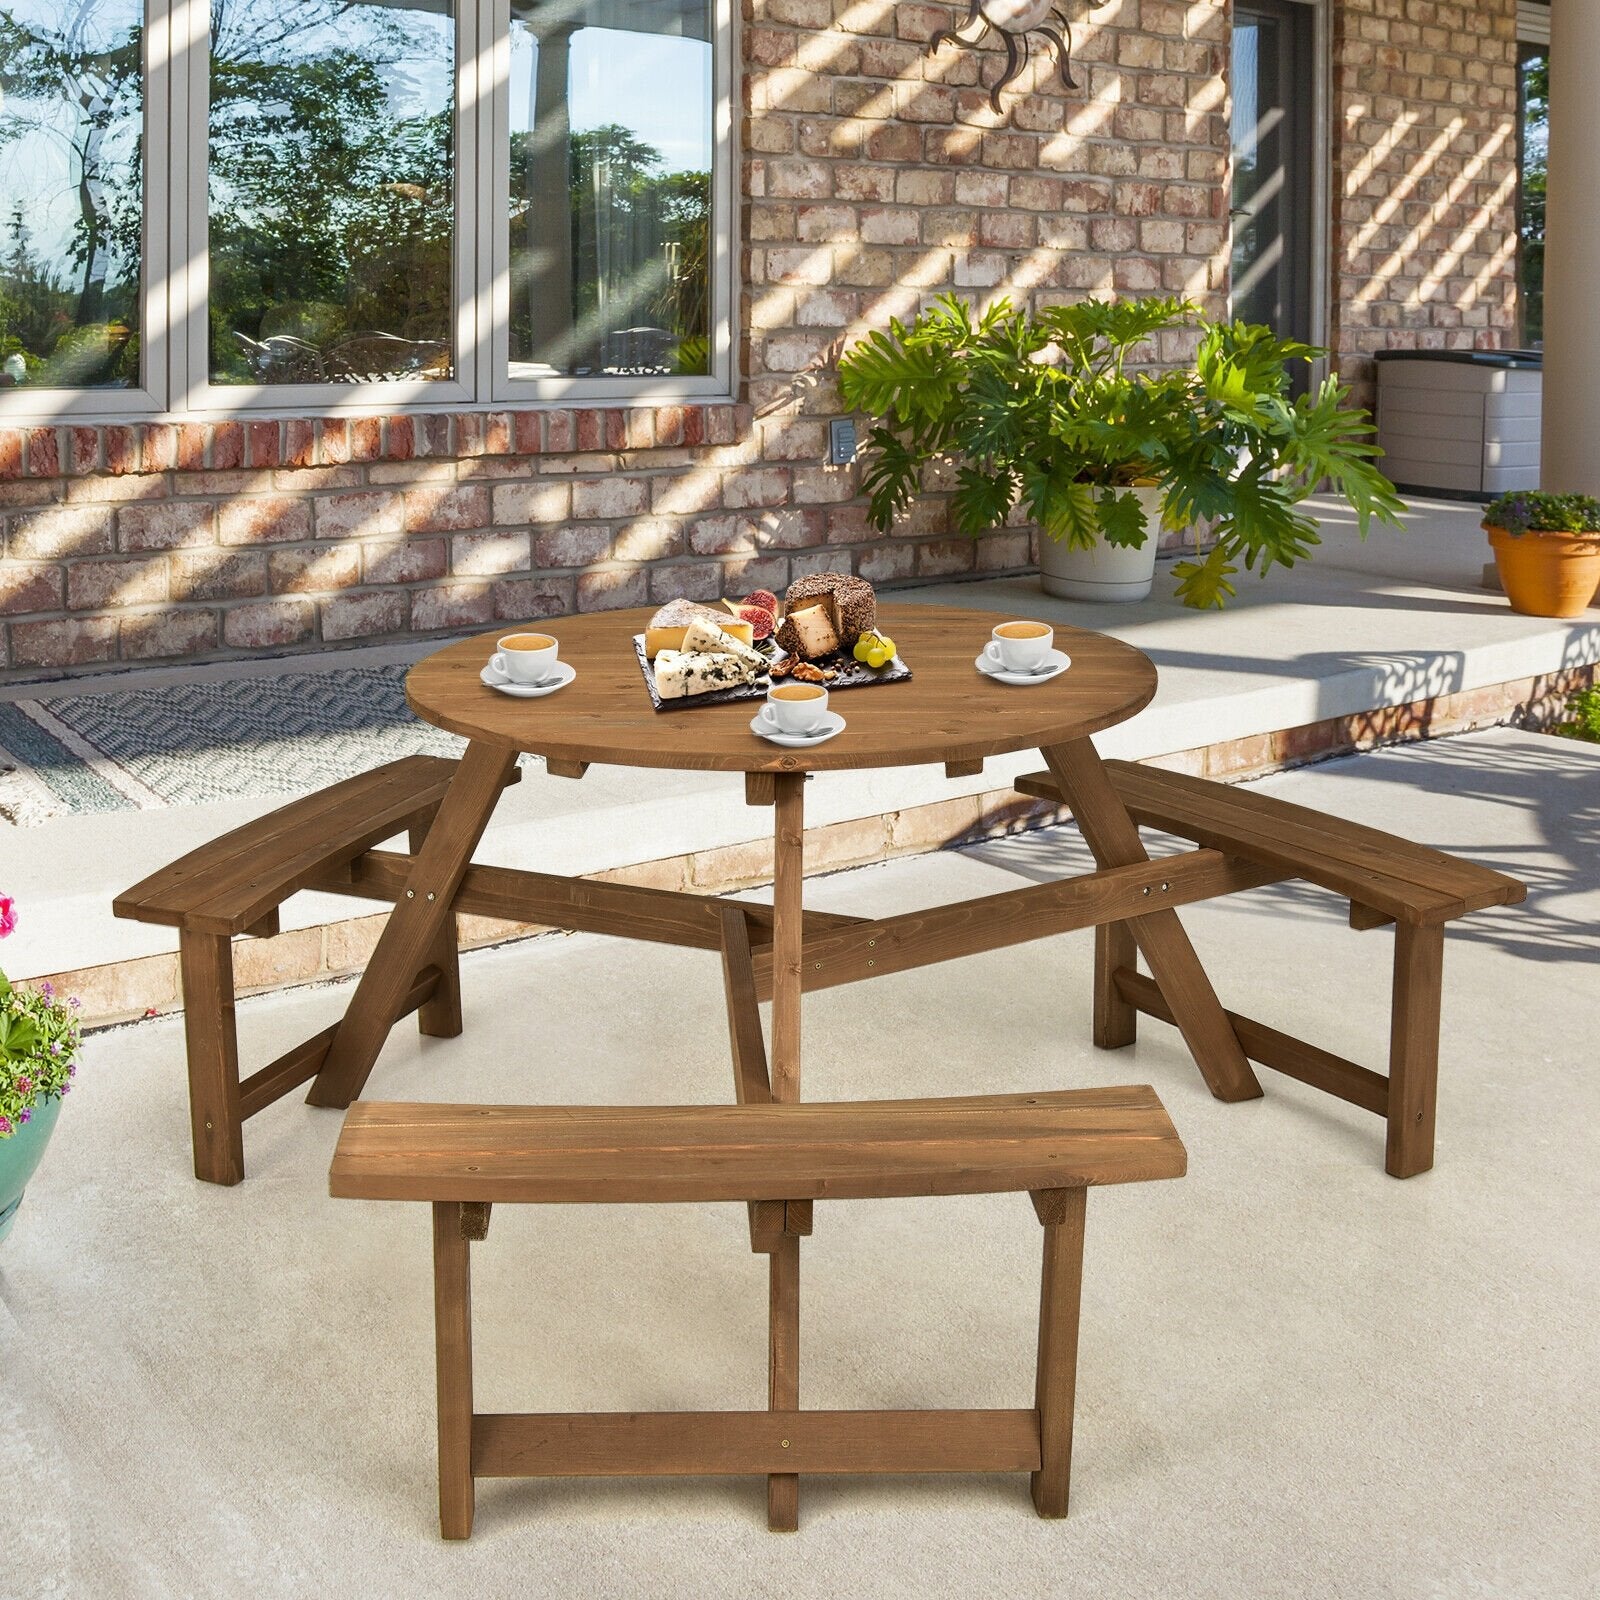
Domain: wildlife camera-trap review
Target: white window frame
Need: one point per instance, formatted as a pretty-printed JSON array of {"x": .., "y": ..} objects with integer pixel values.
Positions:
[
  {"x": 146, "y": 397},
  {"x": 175, "y": 358},
  {"x": 718, "y": 384}
]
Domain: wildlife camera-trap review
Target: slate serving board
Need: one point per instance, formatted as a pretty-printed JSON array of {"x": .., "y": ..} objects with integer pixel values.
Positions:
[{"x": 852, "y": 674}]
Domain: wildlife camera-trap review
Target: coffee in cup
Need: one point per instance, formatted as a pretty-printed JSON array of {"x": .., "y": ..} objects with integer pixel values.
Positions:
[
  {"x": 795, "y": 708},
  {"x": 528, "y": 658},
  {"x": 1021, "y": 646}
]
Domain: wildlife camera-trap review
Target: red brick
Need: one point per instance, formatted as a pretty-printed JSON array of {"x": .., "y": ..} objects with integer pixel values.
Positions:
[
  {"x": 612, "y": 589},
  {"x": 193, "y": 437},
  {"x": 55, "y": 532},
  {"x": 25, "y": 588},
  {"x": 227, "y": 446},
  {"x": 525, "y": 433},
  {"x": 166, "y": 525},
  {"x": 452, "y": 605},
  {"x": 363, "y": 616},
  {"x": 216, "y": 574},
  {"x": 268, "y": 624},
  {"x": 362, "y": 514},
  {"x": 572, "y": 546},
  {"x": 446, "y": 510},
  {"x": 10, "y": 453},
  {"x": 487, "y": 555},
  {"x": 264, "y": 444},
  {"x": 314, "y": 570},
  {"x": 299, "y": 446},
  {"x": 160, "y": 447},
  {"x": 403, "y": 560},
  {"x": 399, "y": 438},
  {"x": 169, "y": 635},
  {"x": 610, "y": 497},
  {"x": 560, "y": 432},
  {"x": 101, "y": 585},
  {"x": 44, "y": 452},
  {"x": 85, "y": 450},
  {"x": 533, "y": 599},
  {"x": 67, "y": 642},
  {"x": 264, "y": 519}
]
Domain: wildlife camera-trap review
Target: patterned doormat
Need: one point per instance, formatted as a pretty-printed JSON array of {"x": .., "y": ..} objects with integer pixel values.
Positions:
[{"x": 193, "y": 743}]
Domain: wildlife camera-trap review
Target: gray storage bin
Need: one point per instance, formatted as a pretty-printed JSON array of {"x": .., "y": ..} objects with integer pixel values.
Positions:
[{"x": 1460, "y": 422}]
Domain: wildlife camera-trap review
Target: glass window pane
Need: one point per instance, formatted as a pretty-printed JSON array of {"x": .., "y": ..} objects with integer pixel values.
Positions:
[
  {"x": 332, "y": 190},
  {"x": 610, "y": 202},
  {"x": 71, "y": 192}
]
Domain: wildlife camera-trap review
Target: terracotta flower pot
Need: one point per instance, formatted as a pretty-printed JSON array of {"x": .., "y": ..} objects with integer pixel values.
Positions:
[{"x": 1547, "y": 574}]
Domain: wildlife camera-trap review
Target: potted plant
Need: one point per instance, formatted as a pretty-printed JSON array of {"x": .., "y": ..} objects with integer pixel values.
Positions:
[
  {"x": 1547, "y": 550},
  {"x": 39, "y": 1039},
  {"x": 1038, "y": 411}
]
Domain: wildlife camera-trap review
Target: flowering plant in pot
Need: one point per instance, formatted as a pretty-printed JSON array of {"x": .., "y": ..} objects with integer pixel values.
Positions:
[
  {"x": 39, "y": 1042},
  {"x": 1546, "y": 549},
  {"x": 1038, "y": 412}
]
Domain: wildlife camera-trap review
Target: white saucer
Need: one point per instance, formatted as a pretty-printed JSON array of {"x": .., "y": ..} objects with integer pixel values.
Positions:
[
  {"x": 1056, "y": 663},
  {"x": 564, "y": 675},
  {"x": 831, "y": 724}
]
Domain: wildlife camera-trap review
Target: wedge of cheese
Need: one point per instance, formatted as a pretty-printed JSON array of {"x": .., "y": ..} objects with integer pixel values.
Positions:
[
  {"x": 680, "y": 673},
  {"x": 815, "y": 632},
  {"x": 666, "y": 629},
  {"x": 718, "y": 639}
]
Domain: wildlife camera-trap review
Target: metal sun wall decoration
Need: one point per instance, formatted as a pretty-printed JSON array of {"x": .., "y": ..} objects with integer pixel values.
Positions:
[{"x": 1015, "y": 21}]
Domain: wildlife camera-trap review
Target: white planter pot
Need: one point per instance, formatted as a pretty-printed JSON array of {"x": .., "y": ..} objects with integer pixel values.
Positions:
[{"x": 1106, "y": 572}]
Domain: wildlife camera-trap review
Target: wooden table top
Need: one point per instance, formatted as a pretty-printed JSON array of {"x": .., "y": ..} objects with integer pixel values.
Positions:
[{"x": 948, "y": 711}]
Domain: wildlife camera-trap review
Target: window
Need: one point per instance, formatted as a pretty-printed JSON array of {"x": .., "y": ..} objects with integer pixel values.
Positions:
[
  {"x": 364, "y": 203},
  {"x": 332, "y": 191},
  {"x": 71, "y": 200},
  {"x": 609, "y": 167}
]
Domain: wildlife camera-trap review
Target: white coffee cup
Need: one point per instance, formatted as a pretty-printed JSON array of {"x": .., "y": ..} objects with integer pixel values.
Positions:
[
  {"x": 1020, "y": 646},
  {"x": 526, "y": 658},
  {"x": 795, "y": 708}
]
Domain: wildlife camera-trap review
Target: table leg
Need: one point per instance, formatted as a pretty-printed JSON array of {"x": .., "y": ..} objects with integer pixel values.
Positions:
[
  {"x": 783, "y": 1300},
  {"x": 414, "y": 925},
  {"x": 1113, "y": 836}
]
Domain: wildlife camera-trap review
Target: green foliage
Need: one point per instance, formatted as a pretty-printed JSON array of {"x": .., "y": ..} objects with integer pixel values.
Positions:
[
  {"x": 1531, "y": 192},
  {"x": 1535, "y": 511},
  {"x": 1583, "y": 717},
  {"x": 1041, "y": 410},
  {"x": 39, "y": 1040}
]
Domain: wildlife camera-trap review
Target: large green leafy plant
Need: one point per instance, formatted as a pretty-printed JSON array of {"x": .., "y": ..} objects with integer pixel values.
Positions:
[{"x": 1039, "y": 409}]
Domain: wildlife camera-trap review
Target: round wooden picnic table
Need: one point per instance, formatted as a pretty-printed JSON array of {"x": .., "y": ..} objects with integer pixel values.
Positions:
[{"x": 948, "y": 712}]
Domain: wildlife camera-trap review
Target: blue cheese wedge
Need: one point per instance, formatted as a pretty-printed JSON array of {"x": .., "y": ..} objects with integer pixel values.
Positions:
[
  {"x": 680, "y": 673},
  {"x": 707, "y": 637}
]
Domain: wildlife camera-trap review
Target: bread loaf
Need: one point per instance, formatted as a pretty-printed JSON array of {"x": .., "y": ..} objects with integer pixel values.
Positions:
[{"x": 851, "y": 604}]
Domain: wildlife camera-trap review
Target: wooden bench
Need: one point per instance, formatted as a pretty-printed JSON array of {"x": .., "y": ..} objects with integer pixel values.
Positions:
[
  {"x": 462, "y": 1159},
  {"x": 235, "y": 885},
  {"x": 1386, "y": 880}
]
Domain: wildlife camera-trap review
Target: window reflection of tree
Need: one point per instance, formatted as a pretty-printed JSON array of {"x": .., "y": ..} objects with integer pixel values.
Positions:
[
  {"x": 70, "y": 86},
  {"x": 609, "y": 250},
  {"x": 331, "y": 195}
]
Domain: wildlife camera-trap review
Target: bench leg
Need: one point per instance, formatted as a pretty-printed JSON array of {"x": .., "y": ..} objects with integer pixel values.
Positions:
[
  {"x": 1113, "y": 836},
  {"x": 439, "y": 1017},
  {"x": 1116, "y": 1023},
  {"x": 452, "y": 1322},
  {"x": 205, "y": 962},
  {"x": 1414, "y": 1048},
  {"x": 1060, "y": 1291},
  {"x": 783, "y": 1370}
]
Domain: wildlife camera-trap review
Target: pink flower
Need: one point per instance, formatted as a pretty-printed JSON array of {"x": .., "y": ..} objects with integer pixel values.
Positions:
[
  {"x": 5, "y": 1125},
  {"x": 8, "y": 916}
]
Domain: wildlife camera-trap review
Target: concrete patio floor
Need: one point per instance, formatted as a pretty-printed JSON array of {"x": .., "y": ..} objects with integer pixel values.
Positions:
[{"x": 1298, "y": 1377}]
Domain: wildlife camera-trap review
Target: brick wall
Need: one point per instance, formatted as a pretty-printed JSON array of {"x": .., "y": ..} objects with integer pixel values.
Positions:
[
  {"x": 873, "y": 177},
  {"x": 1424, "y": 178}
]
